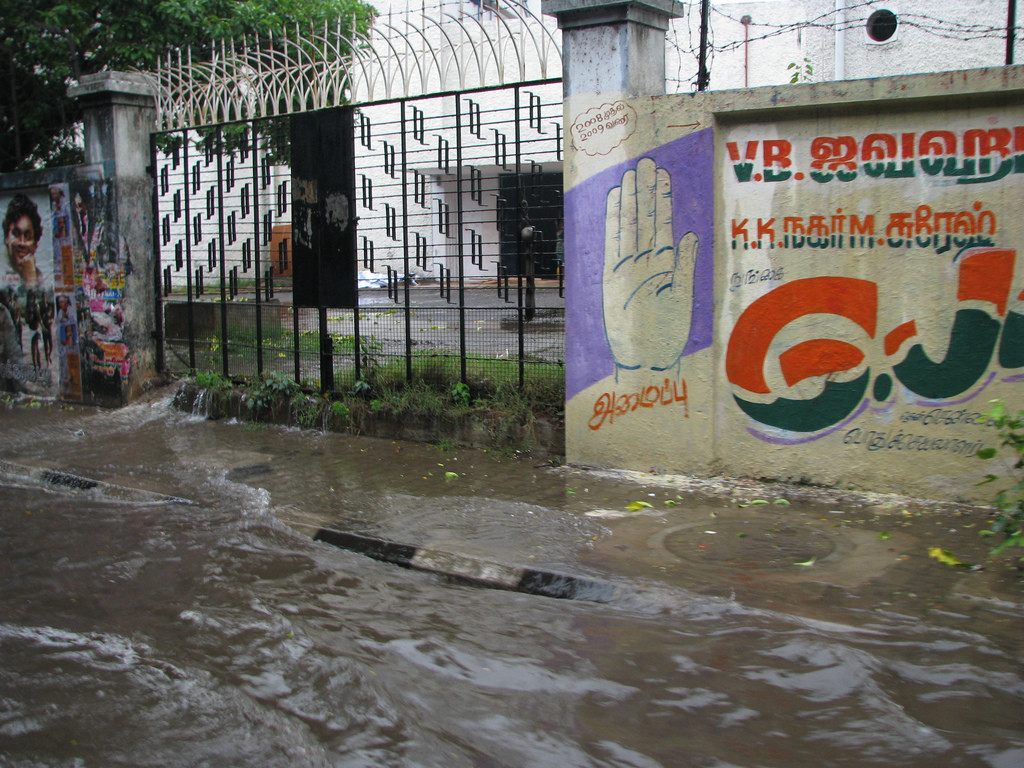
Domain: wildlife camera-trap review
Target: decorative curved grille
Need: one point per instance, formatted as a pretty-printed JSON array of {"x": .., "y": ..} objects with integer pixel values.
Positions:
[{"x": 401, "y": 57}]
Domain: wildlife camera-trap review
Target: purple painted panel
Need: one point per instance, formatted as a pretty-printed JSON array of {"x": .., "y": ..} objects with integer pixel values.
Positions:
[{"x": 689, "y": 161}]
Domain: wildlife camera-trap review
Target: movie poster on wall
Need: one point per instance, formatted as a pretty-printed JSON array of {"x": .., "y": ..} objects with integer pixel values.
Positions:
[
  {"x": 27, "y": 304},
  {"x": 61, "y": 291},
  {"x": 100, "y": 269},
  {"x": 65, "y": 330}
]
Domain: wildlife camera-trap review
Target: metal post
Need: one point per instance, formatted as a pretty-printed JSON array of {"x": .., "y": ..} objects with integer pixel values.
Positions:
[
  {"x": 326, "y": 354},
  {"x": 703, "y": 76},
  {"x": 520, "y": 312},
  {"x": 254, "y": 154},
  {"x": 1011, "y": 30},
  {"x": 188, "y": 254},
  {"x": 459, "y": 236},
  {"x": 295, "y": 342},
  {"x": 158, "y": 320},
  {"x": 220, "y": 242},
  {"x": 405, "y": 250}
]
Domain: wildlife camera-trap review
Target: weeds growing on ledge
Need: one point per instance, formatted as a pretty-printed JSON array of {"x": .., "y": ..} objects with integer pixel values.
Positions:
[{"x": 500, "y": 404}]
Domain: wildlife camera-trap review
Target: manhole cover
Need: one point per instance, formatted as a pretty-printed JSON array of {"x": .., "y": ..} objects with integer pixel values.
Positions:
[{"x": 757, "y": 545}]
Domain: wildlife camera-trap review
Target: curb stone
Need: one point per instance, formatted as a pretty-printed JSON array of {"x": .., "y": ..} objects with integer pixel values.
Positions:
[
  {"x": 471, "y": 570},
  {"x": 71, "y": 482}
]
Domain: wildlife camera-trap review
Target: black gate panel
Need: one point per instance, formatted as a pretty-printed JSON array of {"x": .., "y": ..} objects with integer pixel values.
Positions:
[{"x": 323, "y": 209}]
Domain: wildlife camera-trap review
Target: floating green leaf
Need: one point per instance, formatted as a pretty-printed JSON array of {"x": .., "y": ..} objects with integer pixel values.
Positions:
[
  {"x": 450, "y": 475},
  {"x": 636, "y": 506},
  {"x": 670, "y": 503},
  {"x": 884, "y": 536},
  {"x": 754, "y": 503},
  {"x": 781, "y": 502},
  {"x": 807, "y": 563},
  {"x": 947, "y": 558}
]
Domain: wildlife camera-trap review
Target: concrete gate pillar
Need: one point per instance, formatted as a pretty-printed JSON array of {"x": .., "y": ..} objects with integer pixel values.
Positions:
[
  {"x": 613, "y": 58},
  {"x": 613, "y": 46},
  {"x": 119, "y": 111}
]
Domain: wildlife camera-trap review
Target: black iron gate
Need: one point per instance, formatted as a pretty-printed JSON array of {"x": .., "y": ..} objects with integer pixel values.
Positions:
[{"x": 449, "y": 269}]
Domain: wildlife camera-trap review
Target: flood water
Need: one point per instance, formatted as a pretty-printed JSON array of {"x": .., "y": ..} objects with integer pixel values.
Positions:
[{"x": 140, "y": 630}]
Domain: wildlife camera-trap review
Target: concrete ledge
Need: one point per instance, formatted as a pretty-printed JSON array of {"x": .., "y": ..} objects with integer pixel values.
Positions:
[
  {"x": 472, "y": 570},
  {"x": 124, "y": 83},
  {"x": 542, "y": 439},
  {"x": 72, "y": 482},
  {"x": 577, "y": 14},
  {"x": 902, "y": 93}
]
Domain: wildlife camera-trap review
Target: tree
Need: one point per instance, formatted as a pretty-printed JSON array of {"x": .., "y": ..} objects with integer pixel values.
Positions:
[{"x": 45, "y": 45}]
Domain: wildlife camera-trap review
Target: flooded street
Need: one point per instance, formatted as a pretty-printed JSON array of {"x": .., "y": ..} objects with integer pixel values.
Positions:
[{"x": 179, "y": 613}]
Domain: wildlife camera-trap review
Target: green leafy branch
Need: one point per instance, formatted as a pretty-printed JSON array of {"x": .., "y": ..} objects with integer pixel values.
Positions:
[
  {"x": 802, "y": 71},
  {"x": 1009, "y": 522}
]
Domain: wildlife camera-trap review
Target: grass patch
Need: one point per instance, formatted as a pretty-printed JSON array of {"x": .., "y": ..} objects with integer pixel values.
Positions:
[{"x": 491, "y": 396}]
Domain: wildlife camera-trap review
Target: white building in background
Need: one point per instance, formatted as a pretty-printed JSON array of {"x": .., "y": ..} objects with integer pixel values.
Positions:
[{"x": 754, "y": 43}]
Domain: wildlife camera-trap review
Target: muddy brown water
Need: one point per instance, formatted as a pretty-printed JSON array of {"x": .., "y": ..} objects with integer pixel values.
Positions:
[{"x": 810, "y": 630}]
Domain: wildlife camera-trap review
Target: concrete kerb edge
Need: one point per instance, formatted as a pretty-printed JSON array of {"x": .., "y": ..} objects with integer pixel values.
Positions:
[
  {"x": 472, "y": 570},
  {"x": 68, "y": 481}
]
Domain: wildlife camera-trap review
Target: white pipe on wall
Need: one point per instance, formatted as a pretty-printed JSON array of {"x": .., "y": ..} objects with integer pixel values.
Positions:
[{"x": 840, "y": 49}]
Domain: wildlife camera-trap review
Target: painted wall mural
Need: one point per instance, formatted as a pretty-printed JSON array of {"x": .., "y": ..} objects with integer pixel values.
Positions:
[
  {"x": 874, "y": 289},
  {"x": 649, "y": 223},
  {"x": 61, "y": 286},
  {"x": 832, "y": 298}
]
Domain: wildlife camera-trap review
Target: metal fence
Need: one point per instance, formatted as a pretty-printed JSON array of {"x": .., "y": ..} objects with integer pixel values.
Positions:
[{"x": 459, "y": 205}]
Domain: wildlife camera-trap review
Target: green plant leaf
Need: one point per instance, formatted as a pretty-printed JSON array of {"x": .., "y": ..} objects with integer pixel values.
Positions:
[
  {"x": 636, "y": 506},
  {"x": 945, "y": 557},
  {"x": 807, "y": 563}
]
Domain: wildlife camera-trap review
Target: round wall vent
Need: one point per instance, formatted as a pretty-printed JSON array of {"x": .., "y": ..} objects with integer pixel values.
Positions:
[{"x": 882, "y": 25}]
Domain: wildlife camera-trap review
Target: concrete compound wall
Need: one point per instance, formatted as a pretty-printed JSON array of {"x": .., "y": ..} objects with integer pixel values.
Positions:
[{"x": 816, "y": 283}]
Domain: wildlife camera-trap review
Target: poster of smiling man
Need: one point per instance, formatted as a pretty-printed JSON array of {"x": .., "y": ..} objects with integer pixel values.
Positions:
[
  {"x": 26, "y": 293},
  {"x": 61, "y": 288}
]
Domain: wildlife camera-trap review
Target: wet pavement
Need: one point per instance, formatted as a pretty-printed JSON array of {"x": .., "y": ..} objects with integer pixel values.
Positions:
[{"x": 164, "y": 603}]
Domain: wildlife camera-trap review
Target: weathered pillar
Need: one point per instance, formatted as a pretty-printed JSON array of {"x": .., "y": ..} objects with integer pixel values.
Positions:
[
  {"x": 613, "y": 46},
  {"x": 638, "y": 239},
  {"x": 119, "y": 114}
]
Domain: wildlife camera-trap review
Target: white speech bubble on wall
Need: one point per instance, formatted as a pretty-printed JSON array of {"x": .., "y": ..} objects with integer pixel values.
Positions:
[{"x": 600, "y": 130}]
